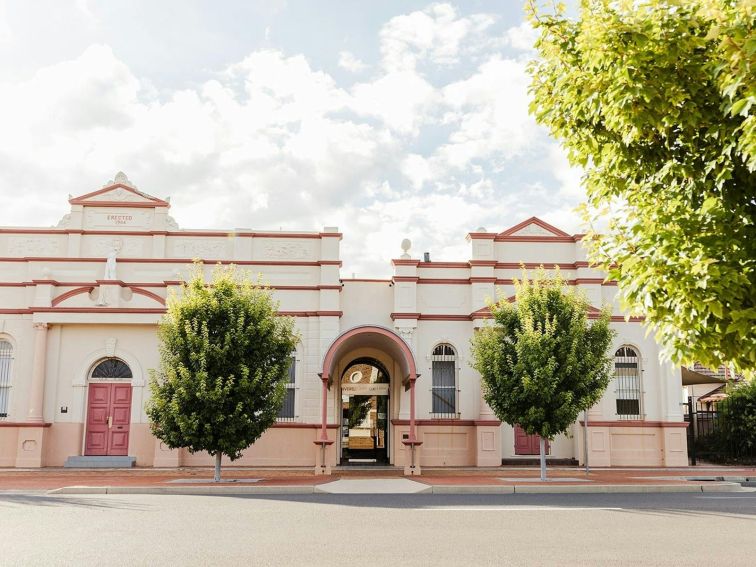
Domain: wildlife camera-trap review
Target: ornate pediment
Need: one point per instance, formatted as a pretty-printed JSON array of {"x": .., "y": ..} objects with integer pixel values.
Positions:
[
  {"x": 534, "y": 227},
  {"x": 119, "y": 192}
]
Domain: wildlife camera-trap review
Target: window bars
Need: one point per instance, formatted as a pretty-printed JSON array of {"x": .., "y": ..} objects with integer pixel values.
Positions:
[
  {"x": 112, "y": 368},
  {"x": 444, "y": 384},
  {"x": 627, "y": 376},
  {"x": 6, "y": 361},
  {"x": 287, "y": 409}
]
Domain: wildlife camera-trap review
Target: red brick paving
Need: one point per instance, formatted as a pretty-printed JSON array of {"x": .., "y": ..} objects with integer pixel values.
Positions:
[{"x": 51, "y": 478}]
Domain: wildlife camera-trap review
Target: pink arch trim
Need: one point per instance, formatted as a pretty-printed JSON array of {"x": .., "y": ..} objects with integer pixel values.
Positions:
[
  {"x": 63, "y": 296},
  {"x": 368, "y": 329}
]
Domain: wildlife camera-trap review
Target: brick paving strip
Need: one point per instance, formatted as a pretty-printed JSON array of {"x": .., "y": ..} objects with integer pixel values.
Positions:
[{"x": 268, "y": 480}]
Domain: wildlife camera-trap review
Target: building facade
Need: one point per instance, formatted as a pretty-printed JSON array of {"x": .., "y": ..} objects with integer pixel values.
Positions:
[{"x": 382, "y": 373}]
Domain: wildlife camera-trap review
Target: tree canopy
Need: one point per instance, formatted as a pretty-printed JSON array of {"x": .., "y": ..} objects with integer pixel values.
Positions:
[
  {"x": 543, "y": 362},
  {"x": 224, "y": 359},
  {"x": 656, "y": 101}
]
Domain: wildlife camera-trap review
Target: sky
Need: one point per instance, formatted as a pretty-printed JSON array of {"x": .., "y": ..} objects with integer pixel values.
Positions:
[{"x": 389, "y": 119}]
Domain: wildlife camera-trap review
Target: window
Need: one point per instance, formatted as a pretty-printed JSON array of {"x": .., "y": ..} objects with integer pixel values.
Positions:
[
  {"x": 628, "y": 383},
  {"x": 287, "y": 409},
  {"x": 111, "y": 368},
  {"x": 6, "y": 361},
  {"x": 444, "y": 388}
]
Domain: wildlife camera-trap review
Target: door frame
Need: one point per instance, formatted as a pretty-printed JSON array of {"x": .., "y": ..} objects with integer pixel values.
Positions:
[
  {"x": 129, "y": 381},
  {"x": 387, "y": 433}
]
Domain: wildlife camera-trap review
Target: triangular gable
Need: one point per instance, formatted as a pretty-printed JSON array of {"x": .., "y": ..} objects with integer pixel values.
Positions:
[
  {"x": 119, "y": 193},
  {"x": 534, "y": 227},
  {"x": 485, "y": 312}
]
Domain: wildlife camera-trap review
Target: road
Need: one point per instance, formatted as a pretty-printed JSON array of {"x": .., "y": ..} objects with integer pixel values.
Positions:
[{"x": 355, "y": 530}]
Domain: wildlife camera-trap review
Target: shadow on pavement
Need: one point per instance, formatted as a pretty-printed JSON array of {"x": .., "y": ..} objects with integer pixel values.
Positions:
[
  {"x": 43, "y": 500},
  {"x": 734, "y": 505}
]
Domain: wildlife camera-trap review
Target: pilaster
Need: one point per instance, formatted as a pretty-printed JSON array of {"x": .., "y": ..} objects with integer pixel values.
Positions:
[{"x": 39, "y": 364}]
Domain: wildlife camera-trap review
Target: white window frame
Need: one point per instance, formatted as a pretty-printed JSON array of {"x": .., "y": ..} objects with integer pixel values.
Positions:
[
  {"x": 291, "y": 385},
  {"x": 621, "y": 389},
  {"x": 455, "y": 414},
  {"x": 6, "y": 379}
]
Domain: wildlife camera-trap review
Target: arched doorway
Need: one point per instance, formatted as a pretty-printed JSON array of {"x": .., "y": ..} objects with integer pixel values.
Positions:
[
  {"x": 377, "y": 343},
  {"x": 108, "y": 409},
  {"x": 365, "y": 412}
]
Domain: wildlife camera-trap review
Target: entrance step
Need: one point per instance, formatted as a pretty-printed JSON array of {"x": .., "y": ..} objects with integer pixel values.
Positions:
[
  {"x": 104, "y": 462},
  {"x": 535, "y": 461}
]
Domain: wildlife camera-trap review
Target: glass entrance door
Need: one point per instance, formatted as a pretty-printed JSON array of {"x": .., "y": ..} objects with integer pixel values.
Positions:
[
  {"x": 364, "y": 413},
  {"x": 364, "y": 429}
]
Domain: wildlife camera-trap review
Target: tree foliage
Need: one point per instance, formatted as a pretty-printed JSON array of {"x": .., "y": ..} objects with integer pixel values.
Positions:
[
  {"x": 542, "y": 362},
  {"x": 736, "y": 433},
  {"x": 224, "y": 359},
  {"x": 656, "y": 100}
]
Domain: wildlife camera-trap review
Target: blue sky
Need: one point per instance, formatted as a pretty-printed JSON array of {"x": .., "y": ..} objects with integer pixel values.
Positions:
[{"x": 388, "y": 119}]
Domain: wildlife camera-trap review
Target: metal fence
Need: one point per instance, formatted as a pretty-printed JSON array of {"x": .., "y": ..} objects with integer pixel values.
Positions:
[{"x": 706, "y": 441}]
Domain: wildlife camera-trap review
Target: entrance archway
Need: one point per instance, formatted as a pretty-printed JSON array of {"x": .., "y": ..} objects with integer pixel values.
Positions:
[{"x": 378, "y": 339}]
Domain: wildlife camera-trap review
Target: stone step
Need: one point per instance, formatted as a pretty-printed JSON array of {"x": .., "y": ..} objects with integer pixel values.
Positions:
[
  {"x": 536, "y": 460},
  {"x": 104, "y": 462}
]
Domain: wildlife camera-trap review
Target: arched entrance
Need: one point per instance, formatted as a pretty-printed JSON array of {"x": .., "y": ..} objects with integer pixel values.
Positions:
[
  {"x": 365, "y": 392},
  {"x": 108, "y": 409},
  {"x": 388, "y": 351}
]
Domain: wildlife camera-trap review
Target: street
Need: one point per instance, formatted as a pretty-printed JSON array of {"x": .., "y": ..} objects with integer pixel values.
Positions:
[{"x": 519, "y": 529}]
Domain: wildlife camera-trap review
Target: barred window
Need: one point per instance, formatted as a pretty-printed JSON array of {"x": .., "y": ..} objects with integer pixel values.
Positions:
[
  {"x": 6, "y": 363},
  {"x": 287, "y": 409},
  {"x": 628, "y": 383},
  {"x": 444, "y": 386}
]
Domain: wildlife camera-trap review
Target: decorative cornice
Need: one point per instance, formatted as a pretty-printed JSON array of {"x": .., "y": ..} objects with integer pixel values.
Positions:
[{"x": 635, "y": 423}]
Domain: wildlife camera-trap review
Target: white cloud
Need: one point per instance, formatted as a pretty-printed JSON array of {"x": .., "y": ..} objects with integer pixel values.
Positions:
[
  {"x": 522, "y": 37},
  {"x": 569, "y": 177},
  {"x": 351, "y": 63},
  {"x": 436, "y": 34},
  {"x": 270, "y": 141}
]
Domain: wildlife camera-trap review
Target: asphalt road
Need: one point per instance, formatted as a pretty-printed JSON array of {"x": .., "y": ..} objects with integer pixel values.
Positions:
[{"x": 357, "y": 530}]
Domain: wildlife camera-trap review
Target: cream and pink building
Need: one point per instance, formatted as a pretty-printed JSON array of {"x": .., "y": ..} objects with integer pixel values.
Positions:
[{"x": 80, "y": 302}]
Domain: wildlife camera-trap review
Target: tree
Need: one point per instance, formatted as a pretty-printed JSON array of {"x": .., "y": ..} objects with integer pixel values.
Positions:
[
  {"x": 736, "y": 431},
  {"x": 656, "y": 101},
  {"x": 542, "y": 363},
  {"x": 224, "y": 359}
]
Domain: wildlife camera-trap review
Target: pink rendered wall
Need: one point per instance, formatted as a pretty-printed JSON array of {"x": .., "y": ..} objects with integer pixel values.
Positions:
[
  {"x": 8, "y": 446},
  {"x": 443, "y": 445},
  {"x": 63, "y": 440},
  {"x": 279, "y": 446}
]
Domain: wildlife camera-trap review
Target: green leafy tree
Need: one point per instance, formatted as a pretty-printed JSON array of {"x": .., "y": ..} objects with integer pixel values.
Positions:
[
  {"x": 656, "y": 101},
  {"x": 542, "y": 362},
  {"x": 224, "y": 359},
  {"x": 736, "y": 435}
]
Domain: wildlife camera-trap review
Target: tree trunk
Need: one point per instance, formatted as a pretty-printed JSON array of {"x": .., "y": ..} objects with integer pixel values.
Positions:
[
  {"x": 542, "y": 443},
  {"x": 218, "y": 457}
]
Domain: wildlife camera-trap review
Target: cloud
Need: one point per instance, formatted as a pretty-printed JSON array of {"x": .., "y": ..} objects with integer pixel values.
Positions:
[
  {"x": 436, "y": 34},
  {"x": 350, "y": 62},
  {"x": 437, "y": 142},
  {"x": 522, "y": 37}
]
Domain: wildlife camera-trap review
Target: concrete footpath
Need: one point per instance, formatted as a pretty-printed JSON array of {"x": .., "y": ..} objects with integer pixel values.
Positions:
[{"x": 386, "y": 480}]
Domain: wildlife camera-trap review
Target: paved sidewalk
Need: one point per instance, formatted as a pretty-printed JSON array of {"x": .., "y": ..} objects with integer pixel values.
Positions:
[{"x": 446, "y": 480}]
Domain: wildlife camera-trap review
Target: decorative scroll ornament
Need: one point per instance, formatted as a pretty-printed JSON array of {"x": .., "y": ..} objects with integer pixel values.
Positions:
[{"x": 285, "y": 250}]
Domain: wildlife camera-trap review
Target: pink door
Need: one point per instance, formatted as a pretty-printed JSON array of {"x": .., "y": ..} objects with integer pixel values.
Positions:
[
  {"x": 527, "y": 444},
  {"x": 108, "y": 419}
]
